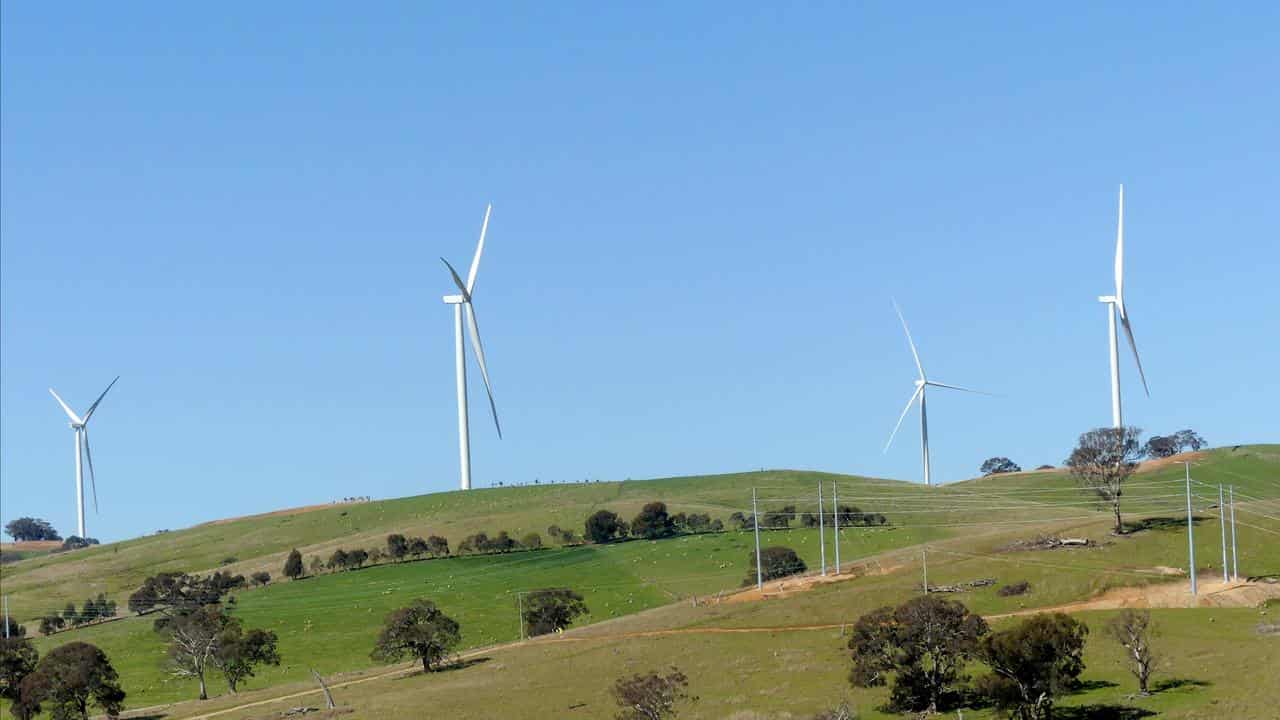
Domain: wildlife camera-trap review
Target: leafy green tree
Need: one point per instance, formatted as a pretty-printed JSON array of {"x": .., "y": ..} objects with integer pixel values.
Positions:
[
  {"x": 397, "y": 546},
  {"x": 653, "y": 522},
  {"x": 67, "y": 680},
  {"x": 420, "y": 630},
  {"x": 437, "y": 546},
  {"x": 338, "y": 560},
  {"x": 10, "y": 628},
  {"x": 293, "y": 565},
  {"x": 775, "y": 562},
  {"x": 28, "y": 529},
  {"x": 239, "y": 651},
  {"x": 418, "y": 547},
  {"x": 603, "y": 526},
  {"x": 1032, "y": 663},
  {"x": 552, "y": 610},
  {"x": 998, "y": 465},
  {"x": 18, "y": 658},
  {"x": 260, "y": 578},
  {"x": 922, "y": 645},
  {"x": 50, "y": 624},
  {"x": 532, "y": 541}
]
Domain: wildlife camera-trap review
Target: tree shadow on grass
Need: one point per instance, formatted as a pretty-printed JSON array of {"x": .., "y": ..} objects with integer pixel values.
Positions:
[
  {"x": 1101, "y": 712},
  {"x": 1160, "y": 523},
  {"x": 1175, "y": 683},
  {"x": 1088, "y": 685},
  {"x": 451, "y": 667}
]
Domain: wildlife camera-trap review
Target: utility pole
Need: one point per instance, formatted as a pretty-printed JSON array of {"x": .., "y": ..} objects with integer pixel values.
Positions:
[
  {"x": 835, "y": 505},
  {"x": 1222, "y": 520},
  {"x": 1235, "y": 567},
  {"x": 1191, "y": 539},
  {"x": 822, "y": 531},
  {"x": 520, "y": 609},
  {"x": 755, "y": 522},
  {"x": 924, "y": 568}
]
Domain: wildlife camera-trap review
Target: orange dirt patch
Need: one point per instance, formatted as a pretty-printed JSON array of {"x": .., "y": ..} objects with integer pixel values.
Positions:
[
  {"x": 1169, "y": 595},
  {"x": 1158, "y": 463},
  {"x": 274, "y": 513}
]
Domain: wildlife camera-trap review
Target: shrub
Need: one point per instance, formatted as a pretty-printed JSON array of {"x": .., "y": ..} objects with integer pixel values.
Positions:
[
  {"x": 293, "y": 565},
  {"x": 650, "y": 696},
  {"x": 533, "y": 541},
  {"x": 1018, "y": 588},
  {"x": 775, "y": 562},
  {"x": 604, "y": 526}
]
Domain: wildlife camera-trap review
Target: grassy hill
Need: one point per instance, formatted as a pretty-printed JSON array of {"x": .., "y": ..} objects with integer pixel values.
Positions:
[{"x": 328, "y": 622}]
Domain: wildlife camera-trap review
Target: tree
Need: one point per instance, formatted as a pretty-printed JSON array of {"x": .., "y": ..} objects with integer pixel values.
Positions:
[
  {"x": 1103, "y": 460},
  {"x": 357, "y": 558},
  {"x": 193, "y": 642},
  {"x": 50, "y": 624},
  {"x": 420, "y": 630},
  {"x": 68, "y": 679},
  {"x": 437, "y": 546},
  {"x": 780, "y": 518},
  {"x": 70, "y": 615},
  {"x": 1189, "y": 440},
  {"x": 418, "y": 547},
  {"x": 650, "y": 696},
  {"x": 27, "y": 529},
  {"x": 293, "y": 565},
  {"x": 742, "y": 522},
  {"x": 808, "y": 520},
  {"x": 397, "y": 546},
  {"x": 18, "y": 658},
  {"x": 338, "y": 560},
  {"x": 653, "y": 522},
  {"x": 552, "y": 610},
  {"x": 260, "y": 578},
  {"x": 10, "y": 628},
  {"x": 997, "y": 465},
  {"x": 922, "y": 643},
  {"x": 173, "y": 594},
  {"x": 1031, "y": 663},
  {"x": 533, "y": 541},
  {"x": 775, "y": 562},
  {"x": 1161, "y": 446},
  {"x": 603, "y": 526},
  {"x": 317, "y": 565},
  {"x": 238, "y": 652},
  {"x": 75, "y": 542},
  {"x": 1134, "y": 630}
]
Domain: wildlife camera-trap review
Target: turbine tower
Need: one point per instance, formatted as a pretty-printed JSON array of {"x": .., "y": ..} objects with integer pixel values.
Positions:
[
  {"x": 81, "y": 427},
  {"x": 1115, "y": 306},
  {"x": 461, "y": 303},
  {"x": 921, "y": 383}
]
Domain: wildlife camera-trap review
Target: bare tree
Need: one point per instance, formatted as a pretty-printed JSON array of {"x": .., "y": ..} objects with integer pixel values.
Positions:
[
  {"x": 1134, "y": 630},
  {"x": 193, "y": 643},
  {"x": 1103, "y": 460},
  {"x": 651, "y": 696}
]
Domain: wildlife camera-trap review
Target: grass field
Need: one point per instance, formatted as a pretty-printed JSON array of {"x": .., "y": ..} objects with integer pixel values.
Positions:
[{"x": 329, "y": 622}]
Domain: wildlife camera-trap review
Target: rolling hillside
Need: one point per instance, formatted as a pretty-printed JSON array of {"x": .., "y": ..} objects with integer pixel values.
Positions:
[{"x": 967, "y": 529}]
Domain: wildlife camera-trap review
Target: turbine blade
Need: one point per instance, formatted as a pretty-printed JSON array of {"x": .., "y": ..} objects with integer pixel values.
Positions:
[
  {"x": 484, "y": 371},
  {"x": 905, "y": 410},
  {"x": 457, "y": 280},
  {"x": 957, "y": 387},
  {"x": 74, "y": 418},
  {"x": 910, "y": 342},
  {"x": 475, "y": 262},
  {"x": 1133, "y": 345},
  {"x": 1120, "y": 252},
  {"x": 93, "y": 481},
  {"x": 94, "y": 406}
]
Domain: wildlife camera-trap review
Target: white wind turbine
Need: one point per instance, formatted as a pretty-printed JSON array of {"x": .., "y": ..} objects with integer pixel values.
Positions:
[
  {"x": 921, "y": 383},
  {"x": 1115, "y": 306},
  {"x": 459, "y": 302},
  {"x": 81, "y": 426}
]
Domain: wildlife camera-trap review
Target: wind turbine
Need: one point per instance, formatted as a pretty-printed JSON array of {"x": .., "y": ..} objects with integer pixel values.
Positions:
[
  {"x": 1115, "y": 306},
  {"x": 81, "y": 426},
  {"x": 459, "y": 303},
  {"x": 921, "y": 383}
]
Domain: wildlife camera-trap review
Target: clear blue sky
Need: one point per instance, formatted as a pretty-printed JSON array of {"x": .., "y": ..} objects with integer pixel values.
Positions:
[{"x": 700, "y": 216}]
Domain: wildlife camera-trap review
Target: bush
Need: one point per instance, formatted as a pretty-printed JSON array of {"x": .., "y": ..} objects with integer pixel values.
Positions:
[
  {"x": 547, "y": 611},
  {"x": 775, "y": 562},
  {"x": 260, "y": 578},
  {"x": 604, "y": 526},
  {"x": 653, "y": 522},
  {"x": 532, "y": 541},
  {"x": 1018, "y": 588},
  {"x": 998, "y": 465},
  {"x": 650, "y": 696}
]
